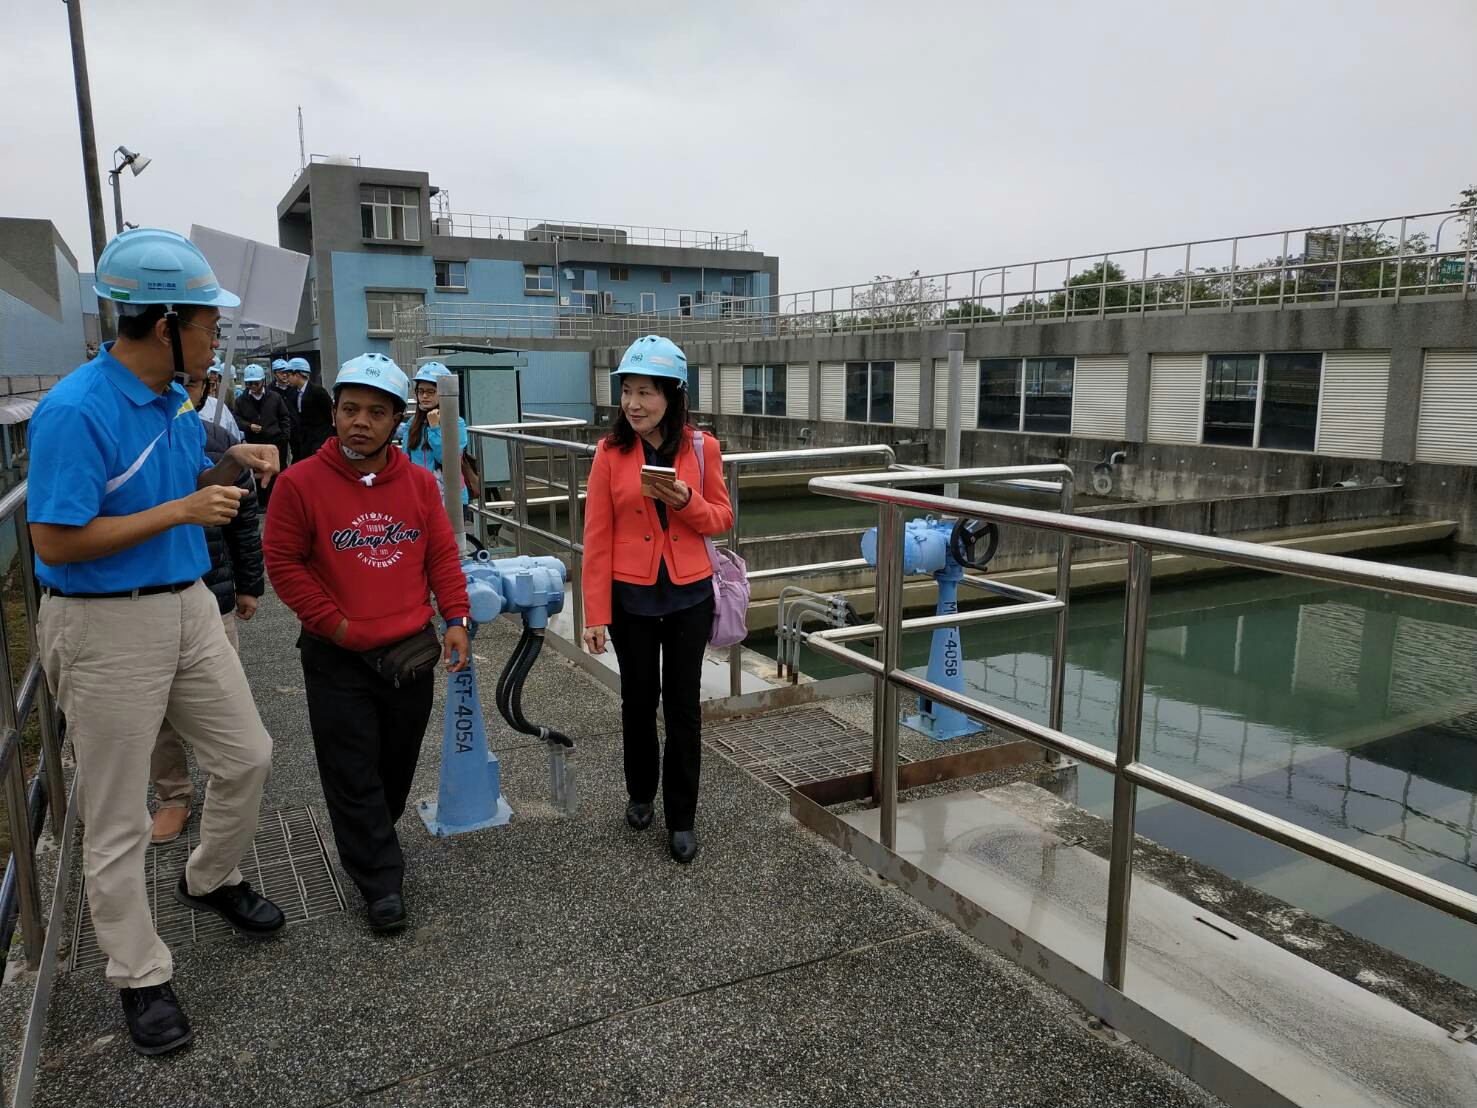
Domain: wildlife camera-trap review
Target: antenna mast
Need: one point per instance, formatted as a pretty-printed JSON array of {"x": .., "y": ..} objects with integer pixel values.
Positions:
[{"x": 302, "y": 149}]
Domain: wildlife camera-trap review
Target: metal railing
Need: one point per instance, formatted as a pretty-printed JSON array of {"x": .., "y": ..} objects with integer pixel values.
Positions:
[
  {"x": 1129, "y": 773},
  {"x": 1386, "y": 259},
  {"x": 27, "y": 802},
  {"x": 521, "y": 229},
  {"x": 562, "y": 476}
]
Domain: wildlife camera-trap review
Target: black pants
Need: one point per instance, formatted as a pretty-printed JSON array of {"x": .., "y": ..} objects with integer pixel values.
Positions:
[
  {"x": 264, "y": 493},
  {"x": 661, "y": 657},
  {"x": 367, "y": 735}
]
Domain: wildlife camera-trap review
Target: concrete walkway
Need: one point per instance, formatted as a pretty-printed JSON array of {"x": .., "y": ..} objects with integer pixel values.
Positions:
[{"x": 568, "y": 961}]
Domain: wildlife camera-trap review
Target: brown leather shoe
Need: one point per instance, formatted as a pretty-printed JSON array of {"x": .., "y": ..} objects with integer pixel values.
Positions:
[{"x": 169, "y": 823}]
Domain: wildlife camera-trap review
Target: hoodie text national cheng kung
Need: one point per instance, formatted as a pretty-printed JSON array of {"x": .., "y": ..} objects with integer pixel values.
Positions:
[{"x": 340, "y": 546}]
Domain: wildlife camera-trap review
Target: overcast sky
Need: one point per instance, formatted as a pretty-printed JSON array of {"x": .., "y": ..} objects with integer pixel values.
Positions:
[{"x": 848, "y": 138}]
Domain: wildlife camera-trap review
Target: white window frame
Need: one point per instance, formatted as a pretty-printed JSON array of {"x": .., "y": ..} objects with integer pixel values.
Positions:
[
  {"x": 623, "y": 270},
  {"x": 1261, "y": 393},
  {"x": 1020, "y": 391},
  {"x": 537, "y": 275},
  {"x": 450, "y": 285},
  {"x": 871, "y": 364},
  {"x": 391, "y": 210},
  {"x": 648, "y": 302},
  {"x": 397, "y": 300},
  {"x": 684, "y": 304},
  {"x": 766, "y": 386},
  {"x": 313, "y": 299}
]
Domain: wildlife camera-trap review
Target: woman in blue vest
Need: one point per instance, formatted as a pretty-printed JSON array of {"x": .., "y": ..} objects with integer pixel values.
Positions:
[{"x": 420, "y": 435}]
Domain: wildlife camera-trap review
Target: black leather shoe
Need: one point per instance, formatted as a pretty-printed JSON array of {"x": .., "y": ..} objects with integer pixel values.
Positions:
[
  {"x": 638, "y": 816},
  {"x": 155, "y": 1023},
  {"x": 237, "y": 905},
  {"x": 387, "y": 914},
  {"x": 684, "y": 846}
]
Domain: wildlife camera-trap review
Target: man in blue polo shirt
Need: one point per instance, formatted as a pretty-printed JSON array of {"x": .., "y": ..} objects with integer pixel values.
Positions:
[{"x": 119, "y": 491}]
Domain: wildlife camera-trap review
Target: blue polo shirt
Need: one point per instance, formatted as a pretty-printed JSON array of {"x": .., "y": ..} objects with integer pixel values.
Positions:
[{"x": 104, "y": 444}]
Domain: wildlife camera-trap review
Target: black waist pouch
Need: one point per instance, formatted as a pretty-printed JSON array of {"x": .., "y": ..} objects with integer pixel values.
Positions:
[{"x": 407, "y": 661}]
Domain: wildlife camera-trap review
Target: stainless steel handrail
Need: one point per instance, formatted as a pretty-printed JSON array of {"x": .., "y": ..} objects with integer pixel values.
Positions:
[
  {"x": 1128, "y": 772},
  {"x": 20, "y": 894}
]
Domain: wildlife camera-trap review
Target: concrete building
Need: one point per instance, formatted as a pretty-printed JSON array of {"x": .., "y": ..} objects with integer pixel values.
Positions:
[
  {"x": 385, "y": 240},
  {"x": 1273, "y": 377}
]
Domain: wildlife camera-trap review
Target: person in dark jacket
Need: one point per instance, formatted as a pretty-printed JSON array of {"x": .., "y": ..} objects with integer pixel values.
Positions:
[
  {"x": 314, "y": 410},
  {"x": 237, "y": 579},
  {"x": 262, "y": 415},
  {"x": 281, "y": 384}
]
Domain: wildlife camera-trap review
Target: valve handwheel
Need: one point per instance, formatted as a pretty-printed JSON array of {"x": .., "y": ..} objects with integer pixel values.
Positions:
[{"x": 965, "y": 540}]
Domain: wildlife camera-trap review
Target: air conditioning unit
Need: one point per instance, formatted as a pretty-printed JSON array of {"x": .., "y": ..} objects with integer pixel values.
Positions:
[{"x": 441, "y": 225}]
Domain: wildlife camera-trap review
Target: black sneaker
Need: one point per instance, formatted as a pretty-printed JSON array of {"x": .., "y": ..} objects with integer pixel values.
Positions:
[
  {"x": 243, "y": 909},
  {"x": 638, "y": 816},
  {"x": 155, "y": 1023}
]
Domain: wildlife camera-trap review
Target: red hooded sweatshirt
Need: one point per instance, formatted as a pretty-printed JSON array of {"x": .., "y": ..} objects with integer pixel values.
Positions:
[{"x": 338, "y": 548}]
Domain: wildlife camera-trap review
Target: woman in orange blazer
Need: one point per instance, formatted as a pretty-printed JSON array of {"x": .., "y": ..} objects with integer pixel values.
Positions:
[{"x": 648, "y": 579}]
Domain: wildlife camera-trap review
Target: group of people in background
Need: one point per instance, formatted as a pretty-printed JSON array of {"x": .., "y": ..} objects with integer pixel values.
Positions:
[{"x": 143, "y": 508}]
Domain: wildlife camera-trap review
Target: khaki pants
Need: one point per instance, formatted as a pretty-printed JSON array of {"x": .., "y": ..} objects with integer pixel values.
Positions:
[
  {"x": 168, "y": 768},
  {"x": 116, "y": 668}
]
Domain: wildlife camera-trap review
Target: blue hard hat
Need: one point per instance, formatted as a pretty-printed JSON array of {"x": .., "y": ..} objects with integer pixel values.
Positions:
[
  {"x": 373, "y": 371},
  {"x": 655, "y": 356},
  {"x": 253, "y": 372},
  {"x": 431, "y": 371},
  {"x": 148, "y": 265},
  {"x": 279, "y": 365},
  {"x": 216, "y": 366},
  {"x": 299, "y": 365}
]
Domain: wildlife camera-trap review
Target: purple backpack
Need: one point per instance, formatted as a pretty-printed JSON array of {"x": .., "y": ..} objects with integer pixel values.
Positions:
[{"x": 730, "y": 579}]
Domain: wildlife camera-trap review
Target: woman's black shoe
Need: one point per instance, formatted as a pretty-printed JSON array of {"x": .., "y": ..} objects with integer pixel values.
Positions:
[
  {"x": 684, "y": 846},
  {"x": 155, "y": 1023},
  {"x": 387, "y": 914},
  {"x": 638, "y": 816}
]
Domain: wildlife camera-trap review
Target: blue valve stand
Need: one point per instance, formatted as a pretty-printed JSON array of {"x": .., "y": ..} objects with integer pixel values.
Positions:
[
  {"x": 945, "y": 667},
  {"x": 471, "y": 795}
]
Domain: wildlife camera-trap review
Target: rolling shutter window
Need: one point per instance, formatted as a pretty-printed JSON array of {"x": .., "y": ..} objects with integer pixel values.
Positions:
[
  {"x": 833, "y": 391},
  {"x": 969, "y": 391},
  {"x": 1176, "y": 397},
  {"x": 1447, "y": 431},
  {"x": 1100, "y": 397},
  {"x": 705, "y": 388},
  {"x": 905, "y": 384},
  {"x": 731, "y": 380},
  {"x": 797, "y": 390},
  {"x": 1351, "y": 404},
  {"x": 602, "y": 385}
]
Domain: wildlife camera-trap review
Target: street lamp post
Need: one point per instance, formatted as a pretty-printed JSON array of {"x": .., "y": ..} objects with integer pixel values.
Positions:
[{"x": 124, "y": 158}]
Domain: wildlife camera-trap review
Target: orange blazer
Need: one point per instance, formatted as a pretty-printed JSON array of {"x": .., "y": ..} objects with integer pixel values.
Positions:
[{"x": 624, "y": 540}]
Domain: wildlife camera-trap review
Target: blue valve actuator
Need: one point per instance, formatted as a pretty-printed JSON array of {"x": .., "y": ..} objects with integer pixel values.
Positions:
[{"x": 528, "y": 587}]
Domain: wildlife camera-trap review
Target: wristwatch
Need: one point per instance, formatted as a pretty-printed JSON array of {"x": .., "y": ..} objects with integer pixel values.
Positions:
[{"x": 464, "y": 622}]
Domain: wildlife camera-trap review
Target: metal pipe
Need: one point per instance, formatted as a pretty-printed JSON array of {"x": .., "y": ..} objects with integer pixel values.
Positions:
[
  {"x": 33, "y": 930},
  {"x": 1298, "y": 563},
  {"x": 950, "y": 619},
  {"x": 1125, "y": 793},
  {"x": 93, "y": 182},
  {"x": 520, "y": 497},
  {"x": 889, "y": 612},
  {"x": 955, "y": 403},
  {"x": 448, "y": 396},
  {"x": 46, "y": 717},
  {"x": 1064, "y": 595},
  {"x": 736, "y": 651},
  {"x": 576, "y": 557}
]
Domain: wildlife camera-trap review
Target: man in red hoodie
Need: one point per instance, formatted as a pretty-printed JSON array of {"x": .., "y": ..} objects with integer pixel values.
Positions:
[{"x": 356, "y": 540}]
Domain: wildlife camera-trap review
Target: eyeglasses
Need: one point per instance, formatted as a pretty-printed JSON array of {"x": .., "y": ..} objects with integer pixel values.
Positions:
[{"x": 214, "y": 330}]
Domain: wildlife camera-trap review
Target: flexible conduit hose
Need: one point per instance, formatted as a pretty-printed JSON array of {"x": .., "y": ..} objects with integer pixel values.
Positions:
[{"x": 510, "y": 689}]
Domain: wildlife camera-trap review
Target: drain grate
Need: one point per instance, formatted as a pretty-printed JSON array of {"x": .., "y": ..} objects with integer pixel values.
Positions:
[
  {"x": 286, "y": 863},
  {"x": 791, "y": 748}
]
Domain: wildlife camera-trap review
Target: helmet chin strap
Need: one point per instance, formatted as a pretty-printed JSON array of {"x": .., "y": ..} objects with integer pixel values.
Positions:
[{"x": 171, "y": 319}]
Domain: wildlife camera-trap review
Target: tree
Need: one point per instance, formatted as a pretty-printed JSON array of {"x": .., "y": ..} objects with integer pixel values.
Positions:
[
  {"x": 969, "y": 311},
  {"x": 1100, "y": 288},
  {"x": 889, "y": 301}
]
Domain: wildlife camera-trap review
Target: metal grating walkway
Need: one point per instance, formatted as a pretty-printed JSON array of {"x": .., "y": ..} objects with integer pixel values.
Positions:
[
  {"x": 790, "y": 748},
  {"x": 287, "y": 864}
]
